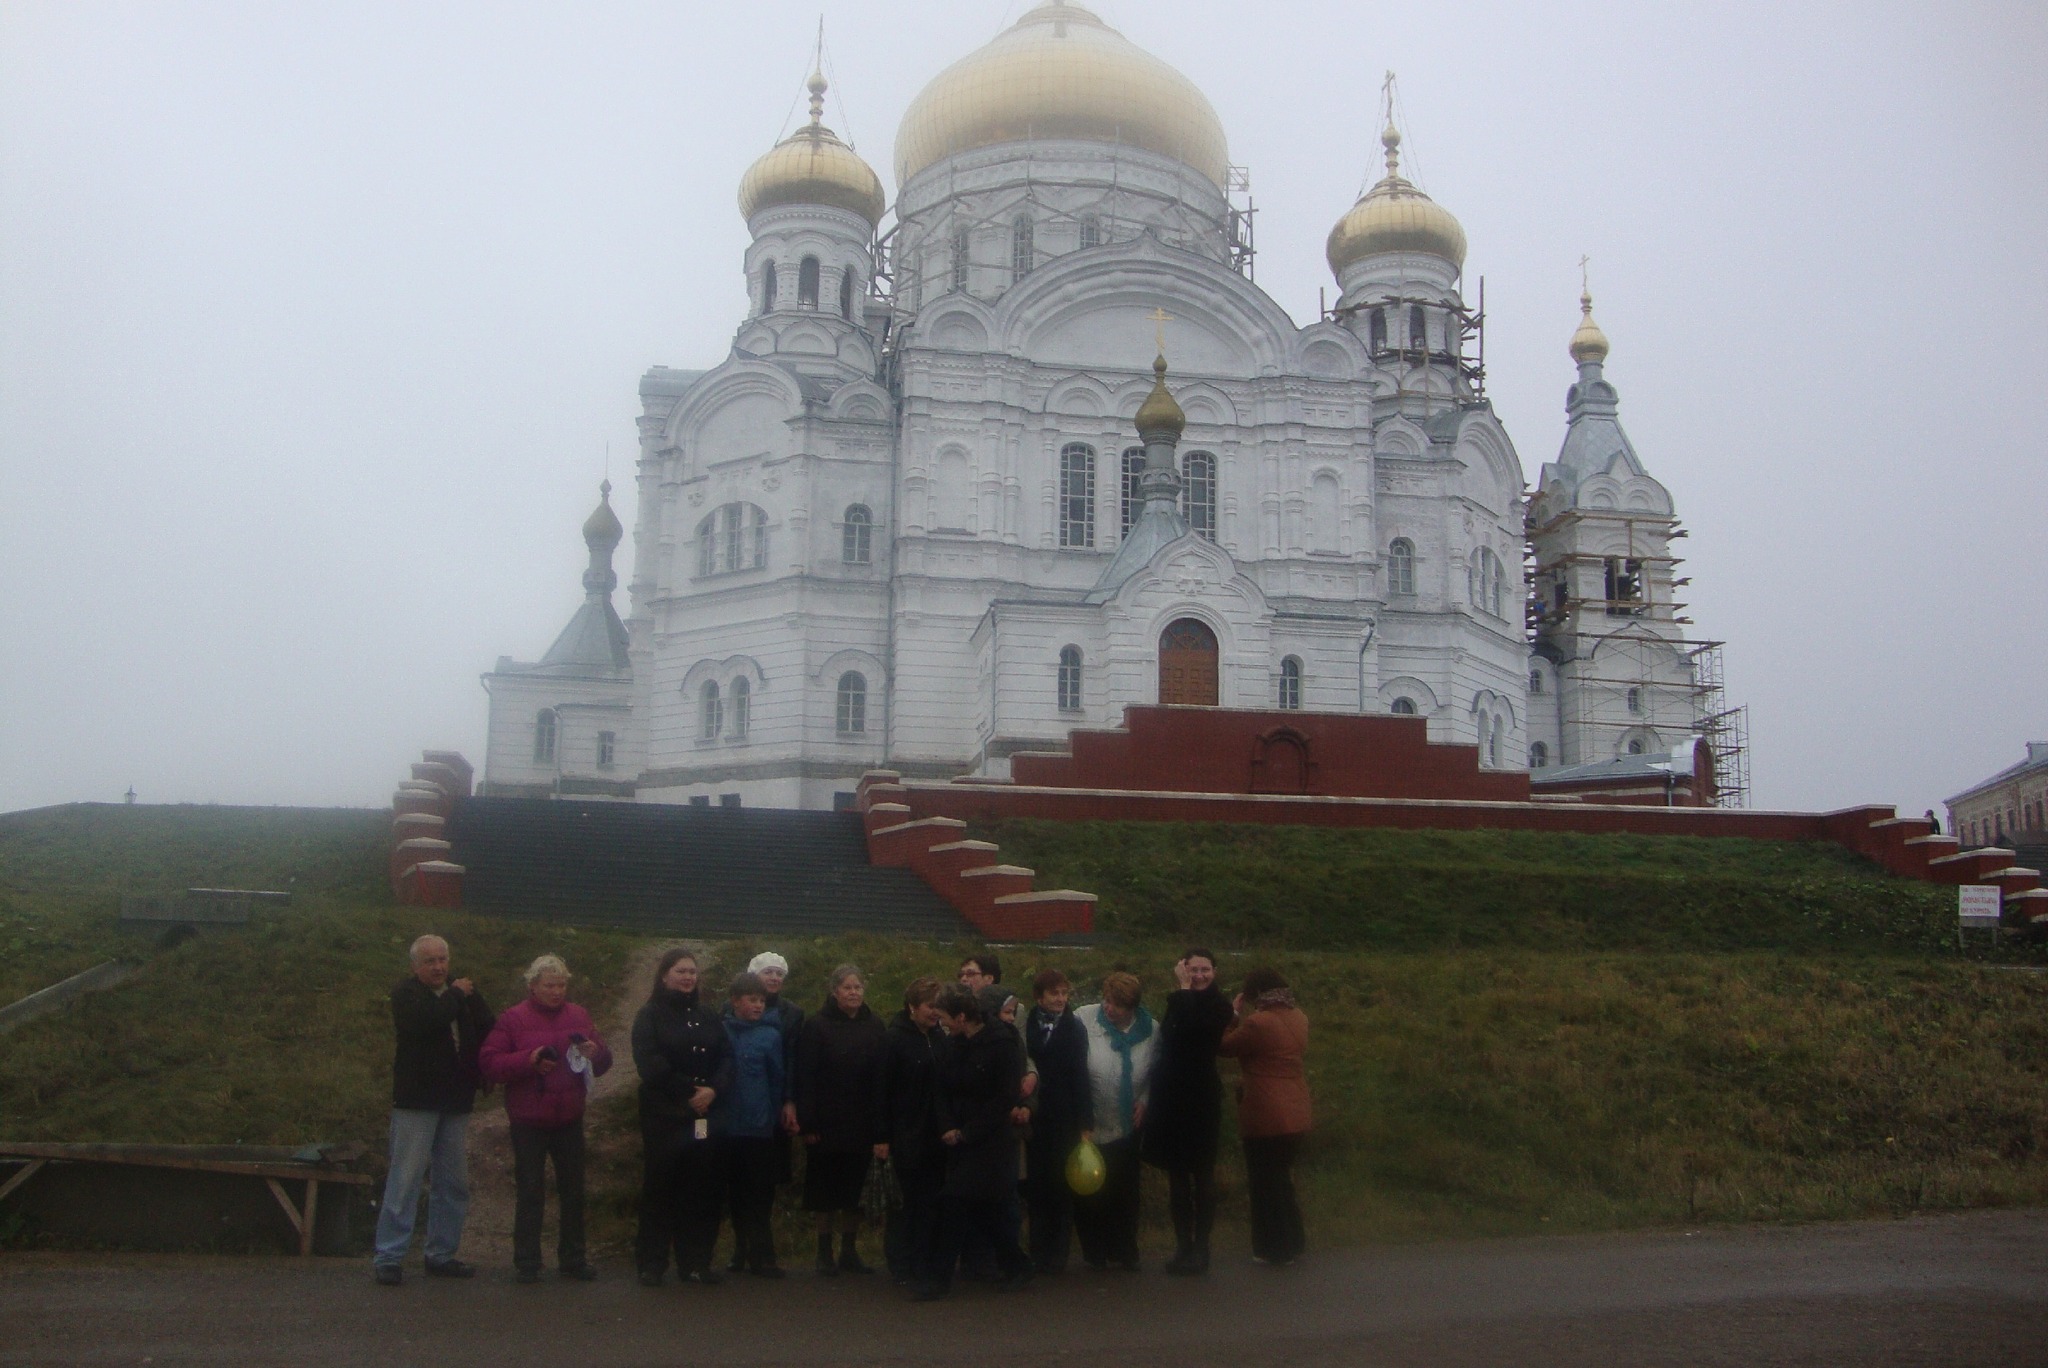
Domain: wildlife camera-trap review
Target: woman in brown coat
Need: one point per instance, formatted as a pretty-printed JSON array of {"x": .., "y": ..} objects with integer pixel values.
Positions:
[{"x": 1268, "y": 1039}]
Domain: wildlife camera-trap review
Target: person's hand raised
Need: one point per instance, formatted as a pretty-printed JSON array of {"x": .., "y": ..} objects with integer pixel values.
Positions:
[
  {"x": 1182, "y": 974},
  {"x": 463, "y": 986}
]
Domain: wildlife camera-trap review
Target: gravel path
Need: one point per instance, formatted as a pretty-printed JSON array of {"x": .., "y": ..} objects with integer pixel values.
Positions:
[{"x": 1937, "y": 1290}]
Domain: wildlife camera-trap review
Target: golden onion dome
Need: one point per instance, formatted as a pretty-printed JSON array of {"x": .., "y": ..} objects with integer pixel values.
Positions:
[
  {"x": 1394, "y": 216},
  {"x": 1160, "y": 412},
  {"x": 1061, "y": 73},
  {"x": 812, "y": 166},
  {"x": 1588, "y": 343}
]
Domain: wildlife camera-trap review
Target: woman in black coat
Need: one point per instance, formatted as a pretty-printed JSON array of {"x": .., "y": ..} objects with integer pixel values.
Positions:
[
  {"x": 980, "y": 1075},
  {"x": 1058, "y": 1045},
  {"x": 838, "y": 1055},
  {"x": 1186, "y": 1111},
  {"x": 685, "y": 1064},
  {"x": 904, "y": 1108}
]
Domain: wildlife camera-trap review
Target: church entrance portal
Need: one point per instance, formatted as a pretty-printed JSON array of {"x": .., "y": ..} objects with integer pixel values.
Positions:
[{"x": 1187, "y": 664}]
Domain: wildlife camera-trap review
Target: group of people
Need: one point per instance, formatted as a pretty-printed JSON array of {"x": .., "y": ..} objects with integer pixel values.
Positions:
[{"x": 961, "y": 1116}]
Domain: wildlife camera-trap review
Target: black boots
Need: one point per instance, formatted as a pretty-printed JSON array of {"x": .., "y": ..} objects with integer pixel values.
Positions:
[
  {"x": 849, "y": 1257},
  {"x": 1190, "y": 1260}
]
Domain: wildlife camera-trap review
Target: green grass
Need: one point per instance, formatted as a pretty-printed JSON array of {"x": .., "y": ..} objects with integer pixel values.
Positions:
[{"x": 1511, "y": 1033}]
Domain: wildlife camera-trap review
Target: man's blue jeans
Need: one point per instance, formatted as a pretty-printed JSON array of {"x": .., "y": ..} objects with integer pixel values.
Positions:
[{"x": 433, "y": 1147}]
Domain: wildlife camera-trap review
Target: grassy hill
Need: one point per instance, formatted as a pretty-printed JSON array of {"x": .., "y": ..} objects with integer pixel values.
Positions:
[{"x": 1512, "y": 1033}]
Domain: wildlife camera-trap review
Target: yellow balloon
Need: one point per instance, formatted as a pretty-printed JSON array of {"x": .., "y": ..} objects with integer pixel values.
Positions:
[{"x": 1086, "y": 1173}]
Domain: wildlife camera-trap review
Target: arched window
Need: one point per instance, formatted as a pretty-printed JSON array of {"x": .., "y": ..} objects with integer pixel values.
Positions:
[
  {"x": 1198, "y": 492},
  {"x": 1376, "y": 331},
  {"x": 846, "y": 293},
  {"x": 1023, "y": 256},
  {"x": 742, "y": 708},
  {"x": 732, "y": 537},
  {"x": 1536, "y": 682},
  {"x": 1635, "y": 747},
  {"x": 1091, "y": 231},
  {"x": 1539, "y": 755},
  {"x": 855, "y": 547},
  {"x": 960, "y": 261},
  {"x": 710, "y": 712},
  {"x": 544, "y": 737},
  {"x": 1077, "y": 494},
  {"x": 807, "y": 273},
  {"x": 768, "y": 288},
  {"x": 1133, "y": 504},
  {"x": 1418, "y": 329},
  {"x": 1493, "y": 740},
  {"x": 1401, "y": 566},
  {"x": 1635, "y": 700},
  {"x": 1403, "y": 707},
  {"x": 1290, "y": 684},
  {"x": 1488, "y": 582},
  {"x": 1070, "y": 679},
  {"x": 851, "y": 714}
]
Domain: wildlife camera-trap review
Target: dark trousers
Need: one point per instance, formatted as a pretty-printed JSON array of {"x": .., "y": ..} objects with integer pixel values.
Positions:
[
  {"x": 913, "y": 1227},
  {"x": 1107, "y": 1220},
  {"x": 532, "y": 1148},
  {"x": 992, "y": 1221},
  {"x": 1276, "y": 1214},
  {"x": 1050, "y": 1201},
  {"x": 682, "y": 1188},
  {"x": 751, "y": 1167},
  {"x": 1191, "y": 1194}
]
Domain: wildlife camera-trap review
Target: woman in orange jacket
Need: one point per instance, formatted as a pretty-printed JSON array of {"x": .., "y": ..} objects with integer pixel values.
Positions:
[{"x": 1268, "y": 1039}]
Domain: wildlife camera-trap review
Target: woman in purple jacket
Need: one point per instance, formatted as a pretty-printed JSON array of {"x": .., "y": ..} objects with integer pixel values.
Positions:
[{"x": 546, "y": 1053}]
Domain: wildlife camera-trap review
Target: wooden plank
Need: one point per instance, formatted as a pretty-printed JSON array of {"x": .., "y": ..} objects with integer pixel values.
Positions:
[
  {"x": 34, "y": 1165},
  {"x": 312, "y": 1210},
  {"x": 291, "y": 1213},
  {"x": 296, "y": 1172}
]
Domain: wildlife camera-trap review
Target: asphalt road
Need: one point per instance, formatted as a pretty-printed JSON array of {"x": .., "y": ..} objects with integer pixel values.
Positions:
[{"x": 1964, "y": 1290}]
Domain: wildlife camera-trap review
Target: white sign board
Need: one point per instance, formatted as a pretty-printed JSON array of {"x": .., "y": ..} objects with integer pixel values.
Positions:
[{"x": 1977, "y": 904}]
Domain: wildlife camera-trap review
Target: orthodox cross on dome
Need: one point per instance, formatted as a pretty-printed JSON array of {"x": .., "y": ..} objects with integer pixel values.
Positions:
[{"x": 1160, "y": 318}]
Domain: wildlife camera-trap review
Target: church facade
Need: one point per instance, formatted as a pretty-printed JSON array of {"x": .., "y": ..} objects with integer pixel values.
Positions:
[{"x": 1045, "y": 449}]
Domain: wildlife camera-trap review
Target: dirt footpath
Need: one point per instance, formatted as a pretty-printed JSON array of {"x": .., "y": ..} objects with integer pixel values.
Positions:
[{"x": 1949, "y": 1290}]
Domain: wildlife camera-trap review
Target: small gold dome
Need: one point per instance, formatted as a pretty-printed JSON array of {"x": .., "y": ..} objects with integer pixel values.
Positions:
[
  {"x": 812, "y": 166},
  {"x": 1588, "y": 343},
  {"x": 1394, "y": 216},
  {"x": 1161, "y": 412},
  {"x": 1061, "y": 73}
]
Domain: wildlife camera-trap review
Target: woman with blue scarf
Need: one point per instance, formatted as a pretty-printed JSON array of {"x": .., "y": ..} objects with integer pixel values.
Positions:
[{"x": 1122, "y": 1041}]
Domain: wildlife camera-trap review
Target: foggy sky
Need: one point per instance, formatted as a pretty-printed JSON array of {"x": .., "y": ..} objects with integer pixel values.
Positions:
[{"x": 315, "y": 322}]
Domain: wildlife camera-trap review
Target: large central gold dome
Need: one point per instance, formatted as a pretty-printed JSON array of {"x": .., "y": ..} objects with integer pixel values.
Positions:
[{"x": 1061, "y": 73}]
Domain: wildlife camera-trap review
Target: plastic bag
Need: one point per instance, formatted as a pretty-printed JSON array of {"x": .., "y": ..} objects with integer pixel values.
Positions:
[{"x": 1086, "y": 1173}]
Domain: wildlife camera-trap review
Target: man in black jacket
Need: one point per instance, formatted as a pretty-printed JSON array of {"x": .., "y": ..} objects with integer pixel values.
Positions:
[
  {"x": 980, "y": 1074},
  {"x": 1066, "y": 1111},
  {"x": 905, "y": 1110},
  {"x": 439, "y": 1025}
]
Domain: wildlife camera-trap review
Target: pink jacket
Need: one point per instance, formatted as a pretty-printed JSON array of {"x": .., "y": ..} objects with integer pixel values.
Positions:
[{"x": 532, "y": 1098}]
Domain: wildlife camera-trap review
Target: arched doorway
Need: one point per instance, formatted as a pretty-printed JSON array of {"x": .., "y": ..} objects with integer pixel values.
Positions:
[{"x": 1187, "y": 664}]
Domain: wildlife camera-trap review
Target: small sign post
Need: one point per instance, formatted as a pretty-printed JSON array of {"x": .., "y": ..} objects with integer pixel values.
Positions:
[{"x": 1977, "y": 906}]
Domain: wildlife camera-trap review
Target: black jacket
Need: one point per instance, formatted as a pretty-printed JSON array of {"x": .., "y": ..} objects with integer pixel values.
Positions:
[
  {"x": 433, "y": 1065},
  {"x": 678, "y": 1047},
  {"x": 1186, "y": 1110},
  {"x": 904, "y": 1084},
  {"x": 789, "y": 1019},
  {"x": 837, "y": 1058},
  {"x": 1066, "y": 1102},
  {"x": 978, "y": 1080}
]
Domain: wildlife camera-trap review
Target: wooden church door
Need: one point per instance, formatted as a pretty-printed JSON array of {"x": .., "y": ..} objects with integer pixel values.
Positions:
[{"x": 1187, "y": 664}]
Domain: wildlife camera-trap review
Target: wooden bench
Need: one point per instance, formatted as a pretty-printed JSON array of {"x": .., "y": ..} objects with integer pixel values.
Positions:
[{"x": 275, "y": 1166}]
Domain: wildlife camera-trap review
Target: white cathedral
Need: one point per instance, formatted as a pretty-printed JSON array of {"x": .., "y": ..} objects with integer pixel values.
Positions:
[{"x": 944, "y": 501}]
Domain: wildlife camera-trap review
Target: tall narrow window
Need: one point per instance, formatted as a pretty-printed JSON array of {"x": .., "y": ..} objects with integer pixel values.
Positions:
[
  {"x": 960, "y": 262},
  {"x": 1624, "y": 587},
  {"x": 1132, "y": 503},
  {"x": 1023, "y": 256},
  {"x": 1418, "y": 329},
  {"x": 1077, "y": 495},
  {"x": 1635, "y": 700},
  {"x": 1198, "y": 492},
  {"x": 759, "y": 549},
  {"x": 1091, "y": 231},
  {"x": 1401, "y": 566},
  {"x": 710, "y": 713},
  {"x": 854, "y": 534},
  {"x": 1290, "y": 684},
  {"x": 1376, "y": 330},
  {"x": 1403, "y": 707},
  {"x": 768, "y": 288},
  {"x": 544, "y": 737},
  {"x": 852, "y": 712},
  {"x": 846, "y": 293},
  {"x": 732, "y": 537},
  {"x": 1535, "y": 681},
  {"x": 1539, "y": 755},
  {"x": 1493, "y": 742},
  {"x": 607, "y": 747},
  {"x": 742, "y": 707},
  {"x": 1070, "y": 679},
  {"x": 807, "y": 273},
  {"x": 1488, "y": 582}
]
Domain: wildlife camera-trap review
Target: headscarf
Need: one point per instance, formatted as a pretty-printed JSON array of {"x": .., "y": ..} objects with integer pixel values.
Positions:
[
  {"x": 1123, "y": 1040},
  {"x": 767, "y": 959}
]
